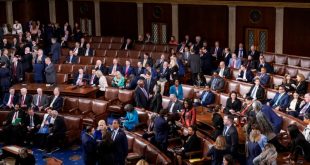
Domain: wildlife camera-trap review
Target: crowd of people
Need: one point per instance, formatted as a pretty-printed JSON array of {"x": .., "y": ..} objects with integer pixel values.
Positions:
[{"x": 36, "y": 48}]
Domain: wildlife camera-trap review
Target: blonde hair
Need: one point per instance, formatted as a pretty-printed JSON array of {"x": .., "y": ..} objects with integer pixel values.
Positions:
[
  {"x": 98, "y": 73},
  {"x": 142, "y": 162},
  {"x": 101, "y": 122},
  {"x": 285, "y": 80},
  {"x": 255, "y": 135},
  {"x": 220, "y": 143},
  {"x": 302, "y": 77}
]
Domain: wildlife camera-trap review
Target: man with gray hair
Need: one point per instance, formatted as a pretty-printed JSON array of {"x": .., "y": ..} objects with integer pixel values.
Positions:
[
  {"x": 306, "y": 107},
  {"x": 40, "y": 100},
  {"x": 24, "y": 99},
  {"x": 174, "y": 105},
  {"x": 57, "y": 132},
  {"x": 50, "y": 72}
]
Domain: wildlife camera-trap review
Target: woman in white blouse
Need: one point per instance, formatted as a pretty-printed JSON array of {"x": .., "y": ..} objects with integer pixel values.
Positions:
[
  {"x": 295, "y": 104},
  {"x": 103, "y": 84}
]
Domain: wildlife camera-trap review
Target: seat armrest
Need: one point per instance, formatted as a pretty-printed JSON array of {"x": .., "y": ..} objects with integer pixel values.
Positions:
[
  {"x": 72, "y": 110},
  {"x": 86, "y": 112},
  {"x": 193, "y": 154}
]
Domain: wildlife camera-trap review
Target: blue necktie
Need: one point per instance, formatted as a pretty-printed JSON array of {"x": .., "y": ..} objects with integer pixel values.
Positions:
[
  {"x": 204, "y": 97},
  {"x": 279, "y": 97}
]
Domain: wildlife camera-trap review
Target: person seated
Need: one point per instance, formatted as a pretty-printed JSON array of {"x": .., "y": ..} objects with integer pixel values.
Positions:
[
  {"x": 39, "y": 101},
  {"x": 299, "y": 145},
  {"x": 250, "y": 63},
  {"x": 263, "y": 77},
  {"x": 102, "y": 83},
  {"x": 80, "y": 78},
  {"x": 234, "y": 62},
  {"x": 118, "y": 80},
  {"x": 228, "y": 160},
  {"x": 218, "y": 150},
  {"x": 24, "y": 99},
  {"x": 77, "y": 50},
  {"x": 100, "y": 66},
  {"x": 71, "y": 59},
  {"x": 32, "y": 124},
  {"x": 289, "y": 83},
  {"x": 233, "y": 104},
  {"x": 302, "y": 86},
  {"x": 257, "y": 92},
  {"x": 247, "y": 108},
  {"x": 306, "y": 131},
  {"x": 88, "y": 51},
  {"x": 174, "y": 105},
  {"x": 262, "y": 63},
  {"x": 294, "y": 105},
  {"x": 13, "y": 126},
  {"x": 44, "y": 129},
  {"x": 173, "y": 41},
  {"x": 240, "y": 51},
  {"x": 127, "y": 45},
  {"x": 140, "y": 39},
  {"x": 164, "y": 75},
  {"x": 192, "y": 143},
  {"x": 245, "y": 75},
  {"x": 63, "y": 43},
  {"x": 25, "y": 158},
  {"x": 57, "y": 133},
  {"x": 207, "y": 97},
  {"x": 139, "y": 70},
  {"x": 56, "y": 101},
  {"x": 159, "y": 62},
  {"x": 281, "y": 100},
  {"x": 306, "y": 107},
  {"x": 188, "y": 115},
  {"x": 83, "y": 43},
  {"x": 223, "y": 71},
  {"x": 127, "y": 69},
  {"x": 115, "y": 67},
  {"x": 93, "y": 79},
  {"x": 267, "y": 156},
  {"x": 149, "y": 133},
  {"x": 147, "y": 38},
  {"x": 146, "y": 60},
  {"x": 9, "y": 99},
  {"x": 254, "y": 53},
  {"x": 177, "y": 90},
  {"x": 131, "y": 120},
  {"x": 216, "y": 83}
]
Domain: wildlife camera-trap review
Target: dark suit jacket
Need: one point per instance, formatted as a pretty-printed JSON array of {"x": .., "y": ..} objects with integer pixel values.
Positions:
[
  {"x": 176, "y": 108},
  {"x": 36, "y": 120},
  {"x": 283, "y": 102},
  {"x": 249, "y": 75},
  {"x": 90, "y": 51},
  {"x": 129, "y": 46},
  {"x": 130, "y": 71},
  {"x": 231, "y": 137},
  {"x": 192, "y": 144},
  {"x": 264, "y": 80},
  {"x": 137, "y": 72},
  {"x": 302, "y": 88},
  {"x": 149, "y": 89},
  {"x": 140, "y": 98},
  {"x": 219, "y": 52},
  {"x": 27, "y": 101},
  {"x": 156, "y": 103},
  {"x": 149, "y": 61},
  {"x": 226, "y": 73},
  {"x": 55, "y": 51},
  {"x": 5, "y": 78},
  {"x": 73, "y": 60},
  {"x": 164, "y": 75},
  {"x": 267, "y": 66},
  {"x": 6, "y": 98},
  {"x": 18, "y": 71},
  {"x": 194, "y": 63},
  {"x": 76, "y": 76},
  {"x": 95, "y": 81},
  {"x": 250, "y": 64},
  {"x": 236, "y": 105},
  {"x": 260, "y": 94},
  {"x": 50, "y": 74},
  {"x": 118, "y": 68},
  {"x": 57, "y": 104},
  {"x": 254, "y": 54},
  {"x": 102, "y": 68},
  {"x": 9, "y": 118},
  {"x": 243, "y": 51},
  {"x": 161, "y": 129},
  {"x": 120, "y": 146},
  {"x": 59, "y": 126},
  {"x": 27, "y": 62},
  {"x": 274, "y": 119},
  {"x": 44, "y": 101},
  {"x": 217, "y": 85},
  {"x": 226, "y": 58},
  {"x": 209, "y": 99},
  {"x": 80, "y": 51},
  {"x": 89, "y": 147}
]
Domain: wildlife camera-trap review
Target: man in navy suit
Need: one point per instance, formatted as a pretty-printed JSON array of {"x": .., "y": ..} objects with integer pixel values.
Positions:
[
  {"x": 77, "y": 50},
  {"x": 24, "y": 99},
  {"x": 240, "y": 51},
  {"x": 257, "y": 92},
  {"x": 127, "y": 45},
  {"x": 207, "y": 97},
  {"x": 56, "y": 101},
  {"x": 100, "y": 66},
  {"x": 120, "y": 143},
  {"x": 263, "y": 77},
  {"x": 9, "y": 99},
  {"x": 245, "y": 74},
  {"x": 141, "y": 95},
  {"x": 71, "y": 59},
  {"x": 281, "y": 100},
  {"x": 55, "y": 51},
  {"x": 254, "y": 53},
  {"x": 231, "y": 135},
  {"x": 306, "y": 107},
  {"x": 88, "y": 50},
  {"x": 89, "y": 146},
  {"x": 127, "y": 69},
  {"x": 161, "y": 129},
  {"x": 223, "y": 71},
  {"x": 16, "y": 70},
  {"x": 80, "y": 78},
  {"x": 114, "y": 67},
  {"x": 140, "y": 69},
  {"x": 217, "y": 51},
  {"x": 93, "y": 79},
  {"x": 263, "y": 63}
]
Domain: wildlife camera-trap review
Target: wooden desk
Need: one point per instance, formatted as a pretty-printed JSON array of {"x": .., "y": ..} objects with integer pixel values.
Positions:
[
  {"x": 65, "y": 89},
  {"x": 14, "y": 149}
]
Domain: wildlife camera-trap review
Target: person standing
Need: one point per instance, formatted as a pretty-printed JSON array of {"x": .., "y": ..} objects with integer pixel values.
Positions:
[
  {"x": 89, "y": 146},
  {"x": 50, "y": 72},
  {"x": 55, "y": 50},
  {"x": 120, "y": 143}
]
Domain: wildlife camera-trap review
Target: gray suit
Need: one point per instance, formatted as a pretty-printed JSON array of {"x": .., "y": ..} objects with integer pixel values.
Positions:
[
  {"x": 43, "y": 103},
  {"x": 50, "y": 74},
  {"x": 194, "y": 63},
  {"x": 177, "y": 107},
  {"x": 217, "y": 83}
]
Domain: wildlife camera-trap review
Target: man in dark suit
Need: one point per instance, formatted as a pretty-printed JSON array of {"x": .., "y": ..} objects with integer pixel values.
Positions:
[
  {"x": 39, "y": 101},
  {"x": 56, "y": 101},
  {"x": 206, "y": 61},
  {"x": 80, "y": 78},
  {"x": 24, "y": 99},
  {"x": 216, "y": 83},
  {"x": 231, "y": 135},
  {"x": 57, "y": 132},
  {"x": 149, "y": 83},
  {"x": 226, "y": 56},
  {"x": 263, "y": 77},
  {"x": 207, "y": 97},
  {"x": 120, "y": 144},
  {"x": 217, "y": 51},
  {"x": 77, "y": 50},
  {"x": 223, "y": 71},
  {"x": 93, "y": 79},
  {"x": 174, "y": 105},
  {"x": 250, "y": 63},
  {"x": 83, "y": 43},
  {"x": 257, "y": 92},
  {"x": 192, "y": 143},
  {"x": 127, "y": 69},
  {"x": 240, "y": 51},
  {"x": 50, "y": 72},
  {"x": 254, "y": 53},
  {"x": 281, "y": 100},
  {"x": 140, "y": 69},
  {"x": 16, "y": 70},
  {"x": 194, "y": 63},
  {"x": 197, "y": 44},
  {"x": 55, "y": 50},
  {"x": 9, "y": 99},
  {"x": 159, "y": 62},
  {"x": 161, "y": 129},
  {"x": 88, "y": 50},
  {"x": 89, "y": 146},
  {"x": 71, "y": 59},
  {"x": 146, "y": 60},
  {"x": 245, "y": 74},
  {"x": 262, "y": 63},
  {"x": 26, "y": 60},
  {"x": 305, "y": 108},
  {"x": 114, "y": 67},
  {"x": 100, "y": 66},
  {"x": 141, "y": 95},
  {"x": 32, "y": 125},
  {"x": 127, "y": 45},
  {"x": 13, "y": 126}
]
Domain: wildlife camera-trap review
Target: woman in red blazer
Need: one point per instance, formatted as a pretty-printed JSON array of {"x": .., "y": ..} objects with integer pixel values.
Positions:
[{"x": 188, "y": 116}]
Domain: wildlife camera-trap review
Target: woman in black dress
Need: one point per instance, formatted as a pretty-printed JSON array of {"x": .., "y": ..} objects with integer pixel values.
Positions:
[
  {"x": 156, "y": 100},
  {"x": 105, "y": 156},
  {"x": 233, "y": 104}
]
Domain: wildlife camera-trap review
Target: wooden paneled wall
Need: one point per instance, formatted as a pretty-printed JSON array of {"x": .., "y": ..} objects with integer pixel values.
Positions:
[
  {"x": 2, "y": 13},
  {"x": 84, "y": 10},
  {"x": 61, "y": 11}
]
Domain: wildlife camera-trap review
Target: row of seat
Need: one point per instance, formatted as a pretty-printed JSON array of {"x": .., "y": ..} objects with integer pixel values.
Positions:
[{"x": 290, "y": 60}]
